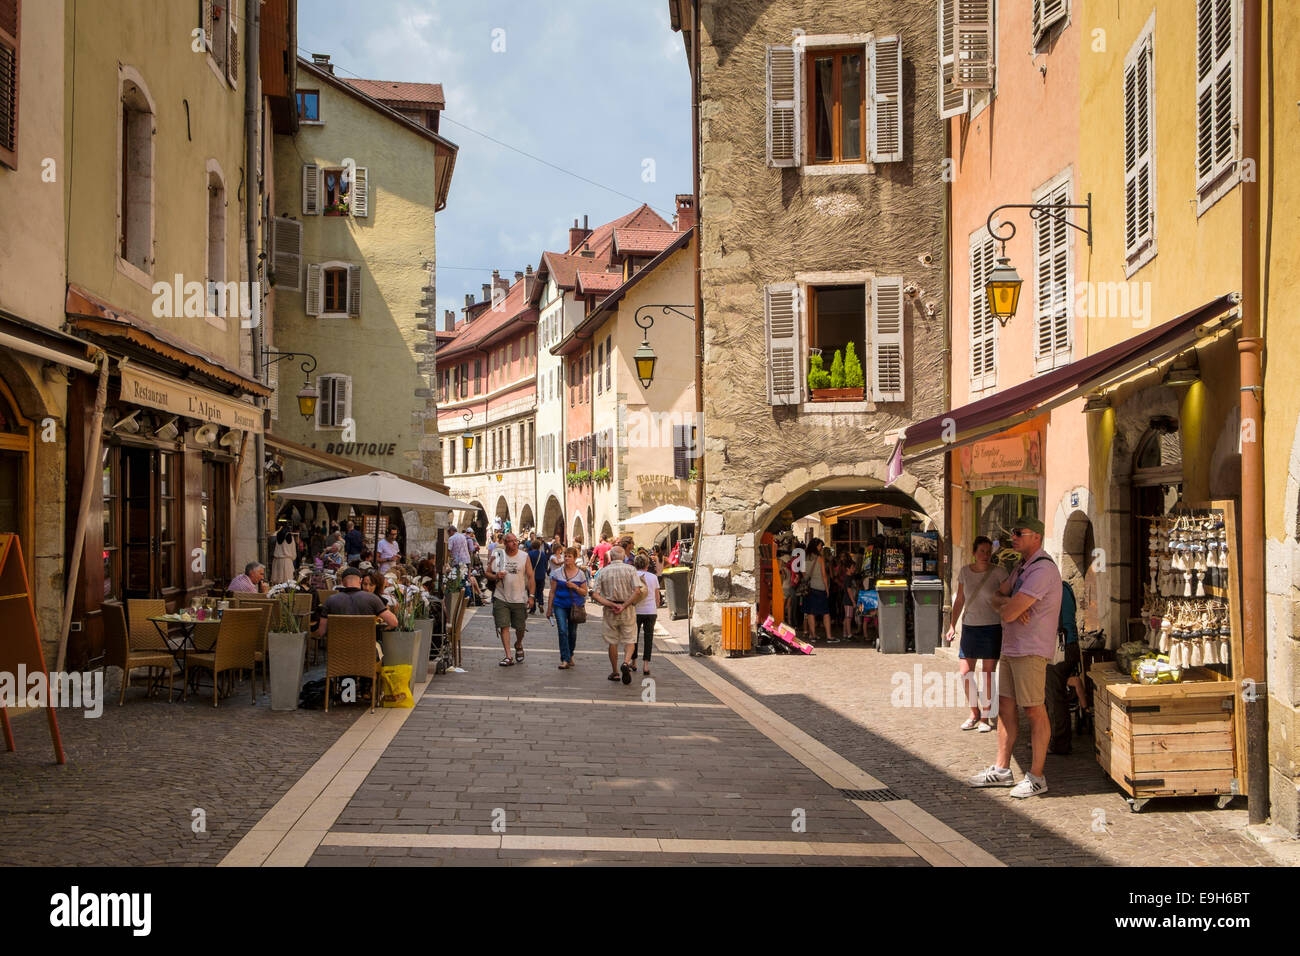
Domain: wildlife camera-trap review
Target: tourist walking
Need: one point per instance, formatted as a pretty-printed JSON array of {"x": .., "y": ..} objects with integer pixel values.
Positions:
[
  {"x": 817, "y": 602},
  {"x": 618, "y": 590},
  {"x": 538, "y": 558},
  {"x": 512, "y": 597},
  {"x": 981, "y": 634},
  {"x": 647, "y": 611},
  {"x": 568, "y": 591}
]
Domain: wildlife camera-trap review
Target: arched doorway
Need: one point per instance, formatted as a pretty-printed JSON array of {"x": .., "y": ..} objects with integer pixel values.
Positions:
[
  {"x": 502, "y": 515},
  {"x": 553, "y": 518},
  {"x": 607, "y": 531},
  {"x": 526, "y": 522},
  {"x": 1080, "y": 566},
  {"x": 577, "y": 531},
  {"x": 1157, "y": 486}
]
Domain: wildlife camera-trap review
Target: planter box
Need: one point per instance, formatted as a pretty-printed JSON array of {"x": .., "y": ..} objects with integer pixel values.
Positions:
[
  {"x": 837, "y": 394},
  {"x": 401, "y": 647},
  {"x": 424, "y": 627},
  {"x": 286, "y": 652}
]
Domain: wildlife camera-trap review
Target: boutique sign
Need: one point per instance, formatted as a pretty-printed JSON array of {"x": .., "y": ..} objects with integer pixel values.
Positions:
[{"x": 348, "y": 448}]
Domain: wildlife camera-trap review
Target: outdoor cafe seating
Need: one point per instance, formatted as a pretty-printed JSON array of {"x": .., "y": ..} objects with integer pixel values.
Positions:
[{"x": 118, "y": 652}]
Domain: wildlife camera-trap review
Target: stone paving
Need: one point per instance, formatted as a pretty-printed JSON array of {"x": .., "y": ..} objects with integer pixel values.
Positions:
[{"x": 842, "y": 696}]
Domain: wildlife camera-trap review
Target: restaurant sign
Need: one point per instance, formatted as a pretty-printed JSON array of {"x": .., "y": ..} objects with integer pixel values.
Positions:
[
  {"x": 1016, "y": 455},
  {"x": 140, "y": 387}
]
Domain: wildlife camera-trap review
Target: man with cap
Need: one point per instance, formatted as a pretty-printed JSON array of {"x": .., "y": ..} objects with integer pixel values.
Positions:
[
  {"x": 1029, "y": 603},
  {"x": 350, "y": 599}
]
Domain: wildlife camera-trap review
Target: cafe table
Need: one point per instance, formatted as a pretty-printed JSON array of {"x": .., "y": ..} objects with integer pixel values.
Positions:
[{"x": 179, "y": 645}]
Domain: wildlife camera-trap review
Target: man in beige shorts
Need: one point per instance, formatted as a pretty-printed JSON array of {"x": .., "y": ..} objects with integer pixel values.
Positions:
[
  {"x": 1029, "y": 603},
  {"x": 618, "y": 589}
]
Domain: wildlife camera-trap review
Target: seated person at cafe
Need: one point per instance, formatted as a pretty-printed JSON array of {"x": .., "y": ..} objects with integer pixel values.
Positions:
[
  {"x": 252, "y": 580},
  {"x": 350, "y": 599}
]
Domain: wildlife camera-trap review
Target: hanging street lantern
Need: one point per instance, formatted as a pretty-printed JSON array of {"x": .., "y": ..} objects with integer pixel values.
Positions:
[
  {"x": 645, "y": 359},
  {"x": 307, "y": 399},
  {"x": 1003, "y": 290},
  {"x": 467, "y": 439}
]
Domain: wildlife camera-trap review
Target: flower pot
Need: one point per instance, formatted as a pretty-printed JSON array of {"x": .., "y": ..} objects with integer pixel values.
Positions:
[
  {"x": 401, "y": 647},
  {"x": 423, "y": 625},
  {"x": 286, "y": 652},
  {"x": 837, "y": 394}
]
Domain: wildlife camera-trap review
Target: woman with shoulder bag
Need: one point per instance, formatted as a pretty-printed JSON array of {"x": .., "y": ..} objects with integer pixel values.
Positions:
[
  {"x": 817, "y": 601},
  {"x": 981, "y": 632},
  {"x": 567, "y": 601}
]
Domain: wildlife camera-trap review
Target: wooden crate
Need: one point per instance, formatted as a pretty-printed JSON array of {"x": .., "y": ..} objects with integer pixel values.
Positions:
[{"x": 1166, "y": 740}]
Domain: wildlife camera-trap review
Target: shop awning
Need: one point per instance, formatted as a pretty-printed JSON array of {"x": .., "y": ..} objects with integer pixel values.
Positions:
[
  {"x": 346, "y": 466},
  {"x": 153, "y": 390},
  {"x": 1041, "y": 394}
]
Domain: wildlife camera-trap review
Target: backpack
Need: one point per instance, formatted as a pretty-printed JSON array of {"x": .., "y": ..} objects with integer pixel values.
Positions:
[{"x": 1067, "y": 625}]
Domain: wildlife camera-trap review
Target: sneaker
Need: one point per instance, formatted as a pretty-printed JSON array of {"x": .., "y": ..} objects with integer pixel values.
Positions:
[
  {"x": 971, "y": 724},
  {"x": 984, "y": 727},
  {"x": 993, "y": 776},
  {"x": 1031, "y": 786}
]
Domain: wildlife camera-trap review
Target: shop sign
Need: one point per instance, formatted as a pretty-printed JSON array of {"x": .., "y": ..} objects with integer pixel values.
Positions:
[
  {"x": 1018, "y": 455},
  {"x": 372, "y": 449},
  {"x": 140, "y": 387}
]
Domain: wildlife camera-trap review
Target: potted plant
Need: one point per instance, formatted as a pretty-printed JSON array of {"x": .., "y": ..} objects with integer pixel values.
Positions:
[
  {"x": 835, "y": 385},
  {"x": 402, "y": 645},
  {"x": 286, "y": 646},
  {"x": 602, "y": 474},
  {"x": 337, "y": 208},
  {"x": 423, "y": 624}
]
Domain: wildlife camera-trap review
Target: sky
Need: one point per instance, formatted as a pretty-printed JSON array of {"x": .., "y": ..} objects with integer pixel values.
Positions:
[{"x": 598, "y": 88}]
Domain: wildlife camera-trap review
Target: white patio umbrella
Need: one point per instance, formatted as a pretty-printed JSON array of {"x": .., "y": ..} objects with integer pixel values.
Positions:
[
  {"x": 664, "y": 514},
  {"x": 378, "y": 488}
]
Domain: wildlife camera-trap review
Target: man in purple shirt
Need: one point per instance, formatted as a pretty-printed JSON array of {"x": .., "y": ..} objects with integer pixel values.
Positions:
[{"x": 1029, "y": 603}]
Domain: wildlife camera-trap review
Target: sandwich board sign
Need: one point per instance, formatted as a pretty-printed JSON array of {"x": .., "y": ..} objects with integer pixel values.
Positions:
[{"x": 20, "y": 642}]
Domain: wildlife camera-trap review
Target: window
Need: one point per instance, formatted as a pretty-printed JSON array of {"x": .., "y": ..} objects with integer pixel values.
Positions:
[
  {"x": 337, "y": 187},
  {"x": 1216, "y": 95},
  {"x": 966, "y": 52},
  {"x": 335, "y": 405},
  {"x": 848, "y": 97},
  {"x": 478, "y": 453},
  {"x": 478, "y": 376},
  {"x": 684, "y": 450},
  {"x": 10, "y": 11},
  {"x": 167, "y": 498},
  {"x": 333, "y": 289},
  {"x": 214, "y": 517},
  {"x": 309, "y": 106},
  {"x": 983, "y": 327},
  {"x": 1046, "y": 14},
  {"x": 217, "y": 294},
  {"x": 336, "y": 290},
  {"x": 600, "y": 361},
  {"x": 1139, "y": 152},
  {"x": 1053, "y": 305},
  {"x": 135, "y": 181},
  {"x": 837, "y": 316},
  {"x": 334, "y": 191},
  {"x": 609, "y": 349},
  {"x": 111, "y": 494},
  {"x": 286, "y": 249}
]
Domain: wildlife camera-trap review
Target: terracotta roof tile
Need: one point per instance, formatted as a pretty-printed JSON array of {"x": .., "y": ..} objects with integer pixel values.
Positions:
[
  {"x": 599, "y": 281},
  {"x": 409, "y": 95},
  {"x": 643, "y": 241},
  {"x": 470, "y": 334},
  {"x": 564, "y": 266}
]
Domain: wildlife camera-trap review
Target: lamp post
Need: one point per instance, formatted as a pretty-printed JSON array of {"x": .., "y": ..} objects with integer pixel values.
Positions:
[
  {"x": 644, "y": 358},
  {"x": 307, "y": 395},
  {"x": 1003, "y": 284}
]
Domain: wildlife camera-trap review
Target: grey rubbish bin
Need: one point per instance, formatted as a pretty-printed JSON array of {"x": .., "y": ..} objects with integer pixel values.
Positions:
[
  {"x": 892, "y": 615},
  {"x": 927, "y": 608},
  {"x": 676, "y": 584}
]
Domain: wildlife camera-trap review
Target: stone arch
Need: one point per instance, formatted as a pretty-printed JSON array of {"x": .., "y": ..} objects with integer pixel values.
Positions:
[
  {"x": 607, "y": 529},
  {"x": 578, "y": 538},
  {"x": 872, "y": 477},
  {"x": 526, "y": 520},
  {"x": 553, "y": 518}
]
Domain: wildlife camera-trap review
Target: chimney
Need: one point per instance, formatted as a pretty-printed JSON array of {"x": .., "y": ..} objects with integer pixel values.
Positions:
[
  {"x": 577, "y": 234},
  {"x": 498, "y": 282},
  {"x": 685, "y": 217},
  {"x": 469, "y": 299},
  {"x": 449, "y": 320},
  {"x": 487, "y": 291},
  {"x": 322, "y": 60},
  {"x": 518, "y": 275},
  {"x": 528, "y": 270}
]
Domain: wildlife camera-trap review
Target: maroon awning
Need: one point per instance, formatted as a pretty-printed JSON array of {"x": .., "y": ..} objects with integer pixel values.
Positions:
[{"x": 1040, "y": 394}]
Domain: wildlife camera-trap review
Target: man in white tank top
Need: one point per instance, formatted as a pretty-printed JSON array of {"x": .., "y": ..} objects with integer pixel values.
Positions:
[{"x": 513, "y": 573}]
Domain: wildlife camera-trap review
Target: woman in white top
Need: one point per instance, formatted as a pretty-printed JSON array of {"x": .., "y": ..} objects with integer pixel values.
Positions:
[
  {"x": 647, "y": 611},
  {"x": 981, "y": 632}
]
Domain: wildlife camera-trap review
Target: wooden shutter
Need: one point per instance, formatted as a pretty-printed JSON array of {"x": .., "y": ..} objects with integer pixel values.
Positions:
[
  {"x": 286, "y": 253},
  {"x": 1052, "y": 283},
  {"x": 1139, "y": 135},
  {"x": 232, "y": 46},
  {"x": 342, "y": 399},
  {"x": 354, "y": 297},
  {"x": 953, "y": 99},
  {"x": 210, "y": 23},
  {"x": 783, "y": 121},
  {"x": 886, "y": 59},
  {"x": 361, "y": 192},
  {"x": 887, "y": 379},
  {"x": 1216, "y": 105},
  {"x": 314, "y": 291},
  {"x": 681, "y": 467},
  {"x": 1046, "y": 14},
  {"x": 784, "y": 373},
  {"x": 10, "y": 11},
  {"x": 983, "y": 327},
  {"x": 973, "y": 44},
  {"x": 310, "y": 190},
  {"x": 325, "y": 404}
]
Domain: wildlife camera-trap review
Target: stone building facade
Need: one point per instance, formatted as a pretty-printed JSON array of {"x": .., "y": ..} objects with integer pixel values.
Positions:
[{"x": 812, "y": 234}]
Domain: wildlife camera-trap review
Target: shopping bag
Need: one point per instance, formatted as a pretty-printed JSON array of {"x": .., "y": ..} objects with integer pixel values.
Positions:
[{"x": 396, "y": 686}]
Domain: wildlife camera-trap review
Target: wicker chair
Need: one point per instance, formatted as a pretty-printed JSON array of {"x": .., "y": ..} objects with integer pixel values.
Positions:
[
  {"x": 144, "y": 635},
  {"x": 205, "y": 634},
  {"x": 118, "y": 652},
  {"x": 237, "y": 642},
  {"x": 265, "y": 605},
  {"x": 351, "y": 652}
]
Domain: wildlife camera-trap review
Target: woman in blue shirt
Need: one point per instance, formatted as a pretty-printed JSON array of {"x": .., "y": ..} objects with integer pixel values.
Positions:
[{"x": 568, "y": 590}]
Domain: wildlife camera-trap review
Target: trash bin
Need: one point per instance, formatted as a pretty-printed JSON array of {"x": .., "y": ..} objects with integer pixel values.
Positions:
[
  {"x": 927, "y": 609},
  {"x": 892, "y": 615},
  {"x": 676, "y": 583},
  {"x": 737, "y": 638}
]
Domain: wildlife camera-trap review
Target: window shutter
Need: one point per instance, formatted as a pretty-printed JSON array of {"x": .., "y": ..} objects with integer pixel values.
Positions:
[
  {"x": 286, "y": 253},
  {"x": 784, "y": 381},
  {"x": 680, "y": 466},
  {"x": 1216, "y": 104},
  {"x": 354, "y": 299},
  {"x": 232, "y": 47},
  {"x": 314, "y": 276},
  {"x": 973, "y": 44},
  {"x": 953, "y": 99},
  {"x": 783, "y": 86},
  {"x": 983, "y": 336},
  {"x": 887, "y": 383},
  {"x": 325, "y": 388},
  {"x": 1139, "y": 209},
  {"x": 886, "y": 100},
  {"x": 9, "y": 18},
  {"x": 342, "y": 399},
  {"x": 310, "y": 190},
  {"x": 273, "y": 383},
  {"x": 1052, "y": 285},
  {"x": 361, "y": 192},
  {"x": 210, "y": 23},
  {"x": 1046, "y": 14}
]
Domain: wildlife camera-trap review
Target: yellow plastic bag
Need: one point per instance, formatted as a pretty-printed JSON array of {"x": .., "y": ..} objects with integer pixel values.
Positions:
[{"x": 396, "y": 691}]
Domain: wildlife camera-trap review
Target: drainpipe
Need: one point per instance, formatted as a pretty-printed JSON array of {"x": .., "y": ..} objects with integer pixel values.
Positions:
[
  {"x": 702, "y": 476},
  {"x": 949, "y": 533},
  {"x": 1250, "y": 347},
  {"x": 252, "y": 210}
]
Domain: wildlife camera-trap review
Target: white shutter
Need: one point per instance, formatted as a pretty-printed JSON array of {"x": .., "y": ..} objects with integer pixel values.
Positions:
[
  {"x": 1216, "y": 100},
  {"x": 784, "y": 372},
  {"x": 313, "y": 296},
  {"x": 783, "y": 122},
  {"x": 286, "y": 253},
  {"x": 324, "y": 388},
  {"x": 1046, "y": 14},
  {"x": 886, "y": 99},
  {"x": 232, "y": 46},
  {"x": 983, "y": 327},
  {"x": 354, "y": 290},
  {"x": 887, "y": 379},
  {"x": 1053, "y": 302},
  {"x": 342, "y": 399},
  {"x": 1139, "y": 205},
  {"x": 953, "y": 99},
  {"x": 973, "y": 44},
  {"x": 361, "y": 192},
  {"x": 310, "y": 190}
]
